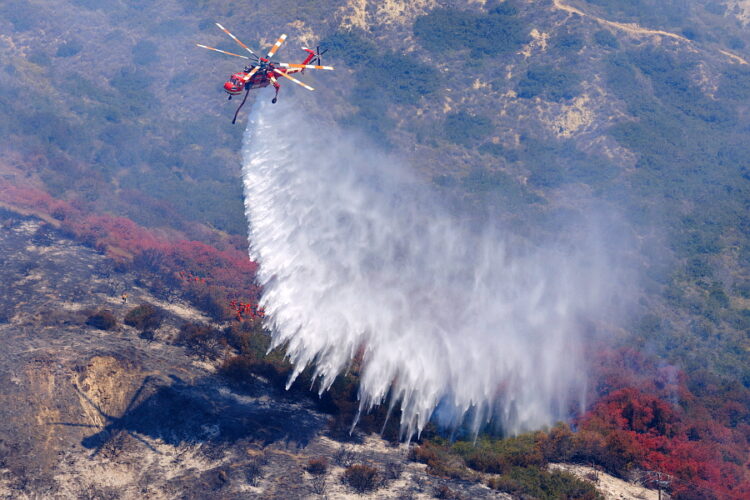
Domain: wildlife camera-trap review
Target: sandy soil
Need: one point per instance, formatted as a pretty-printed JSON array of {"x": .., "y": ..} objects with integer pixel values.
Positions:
[{"x": 611, "y": 487}]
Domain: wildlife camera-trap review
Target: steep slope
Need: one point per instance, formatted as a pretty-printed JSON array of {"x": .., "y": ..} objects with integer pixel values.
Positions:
[
  {"x": 113, "y": 413},
  {"x": 532, "y": 113}
]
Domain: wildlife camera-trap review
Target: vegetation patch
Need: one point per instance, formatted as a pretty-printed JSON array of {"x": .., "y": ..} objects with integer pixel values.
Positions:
[
  {"x": 382, "y": 77},
  {"x": 551, "y": 83},
  {"x": 651, "y": 13},
  {"x": 144, "y": 317},
  {"x": 201, "y": 340},
  {"x": 103, "y": 319},
  {"x": 466, "y": 129},
  {"x": 317, "y": 466},
  {"x": 362, "y": 478},
  {"x": 542, "y": 484},
  {"x": 496, "y": 32}
]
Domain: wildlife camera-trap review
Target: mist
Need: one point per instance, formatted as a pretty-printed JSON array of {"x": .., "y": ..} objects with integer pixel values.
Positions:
[{"x": 461, "y": 326}]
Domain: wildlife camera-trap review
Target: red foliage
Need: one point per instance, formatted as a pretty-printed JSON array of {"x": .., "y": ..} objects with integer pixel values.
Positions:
[
  {"x": 205, "y": 271},
  {"x": 651, "y": 420},
  {"x": 36, "y": 200},
  {"x": 188, "y": 277},
  {"x": 631, "y": 410},
  {"x": 109, "y": 234},
  {"x": 228, "y": 268},
  {"x": 246, "y": 311}
]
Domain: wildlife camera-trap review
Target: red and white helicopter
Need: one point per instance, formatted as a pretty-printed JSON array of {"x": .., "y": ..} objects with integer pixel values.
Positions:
[{"x": 262, "y": 71}]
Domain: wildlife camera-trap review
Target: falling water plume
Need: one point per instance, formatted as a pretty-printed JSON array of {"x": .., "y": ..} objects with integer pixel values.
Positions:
[{"x": 356, "y": 256}]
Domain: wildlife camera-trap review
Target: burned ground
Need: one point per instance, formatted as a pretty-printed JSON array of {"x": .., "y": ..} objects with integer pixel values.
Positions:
[{"x": 106, "y": 413}]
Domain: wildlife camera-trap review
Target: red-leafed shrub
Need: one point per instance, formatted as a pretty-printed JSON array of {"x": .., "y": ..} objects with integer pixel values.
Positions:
[
  {"x": 631, "y": 410},
  {"x": 118, "y": 236},
  {"x": 655, "y": 418},
  {"x": 36, "y": 200}
]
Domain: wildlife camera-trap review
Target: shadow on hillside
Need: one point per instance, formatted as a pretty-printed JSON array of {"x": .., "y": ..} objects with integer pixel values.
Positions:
[{"x": 178, "y": 413}]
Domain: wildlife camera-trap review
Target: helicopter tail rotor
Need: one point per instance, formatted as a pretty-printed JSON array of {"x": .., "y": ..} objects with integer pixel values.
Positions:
[
  {"x": 317, "y": 59},
  {"x": 318, "y": 53}
]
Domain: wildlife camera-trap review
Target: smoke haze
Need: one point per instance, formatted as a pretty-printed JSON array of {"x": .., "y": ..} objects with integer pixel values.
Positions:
[{"x": 454, "y": 324}]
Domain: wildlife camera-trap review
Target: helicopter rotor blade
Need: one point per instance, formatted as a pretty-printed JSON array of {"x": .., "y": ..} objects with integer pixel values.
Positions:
[
  {"x": 222, "y": 51},
  {"x": 293, "y": 79},
  {"x": 252, "y": 72},
  {"x": 304, "y": 66},
  {"x": 276, "y": 46},
  {"x": 222, "y": 28}
]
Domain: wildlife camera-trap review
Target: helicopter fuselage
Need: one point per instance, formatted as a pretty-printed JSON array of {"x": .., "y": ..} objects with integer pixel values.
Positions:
[{"x": 237, "y": 83}]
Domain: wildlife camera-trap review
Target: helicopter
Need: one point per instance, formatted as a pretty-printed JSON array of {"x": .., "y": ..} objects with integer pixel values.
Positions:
[{"x": 262, "y": 71}]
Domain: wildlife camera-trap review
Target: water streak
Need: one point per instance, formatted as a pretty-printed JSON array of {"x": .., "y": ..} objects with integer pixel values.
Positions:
[{"x": 354, "y": 254}]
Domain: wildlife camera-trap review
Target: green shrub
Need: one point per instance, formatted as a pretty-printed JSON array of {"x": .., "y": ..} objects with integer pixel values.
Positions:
[
  {"x": 382, "y": 77},
  {"x": 439, "y": 461},
  {"x": 735, "y": 83},
  {"x": 41, "y": 58},
  {"x": 248, "y": 337},
  {"x": 743, "y": 289},
  {"x": 549, "y": 82},
  {"x": 497, "y": 32},
  {"x": 69, "y": 48},
  {"x": 352, "y": 46},
  {"x": 697, "y": 268},
  {"x": 717, "y": 297},
  {"x": 539, "y": 483},
  {"x": 484, "y": 460},
  {"x": 652, "y": 13},
  {"x": 493, "y": 149},
  {"x": 272, "y": 366},
  {"x": 210, "y": 300},
  {"x": 407, "y": 79},
  {"x": 736, "y": 43},
  {"x": 605, "y": 38},
  {"x": 568, "y": 42},
  {"x": 465, "y": 129},
  {"x": 131, "y": 80}
]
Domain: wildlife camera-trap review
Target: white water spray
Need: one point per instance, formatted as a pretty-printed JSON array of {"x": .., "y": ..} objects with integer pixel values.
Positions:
[{"x": 354, "y": 254}]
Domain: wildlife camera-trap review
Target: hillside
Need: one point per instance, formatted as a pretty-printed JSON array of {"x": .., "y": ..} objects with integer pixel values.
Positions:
[
  {"x": 541, "y": 116},
  {"x": 117, "y": 410}
]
